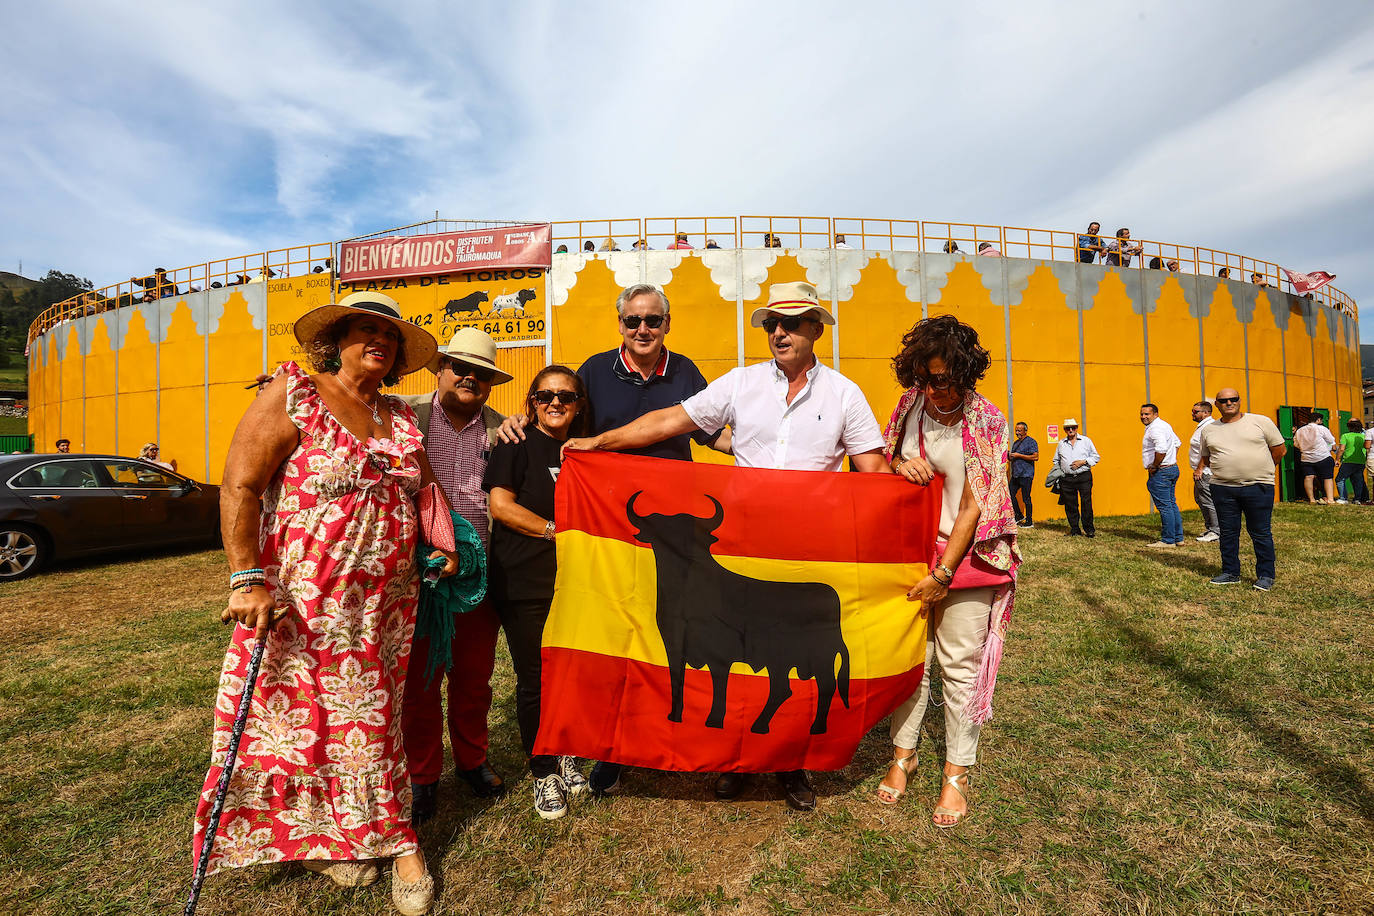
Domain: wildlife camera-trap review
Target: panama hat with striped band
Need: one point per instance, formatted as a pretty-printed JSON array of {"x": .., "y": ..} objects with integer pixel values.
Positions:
[{"x": 795, "y": 298}]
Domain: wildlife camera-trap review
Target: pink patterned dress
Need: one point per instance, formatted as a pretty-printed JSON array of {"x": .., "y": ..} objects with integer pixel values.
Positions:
[{"x": 321, "y": 771}]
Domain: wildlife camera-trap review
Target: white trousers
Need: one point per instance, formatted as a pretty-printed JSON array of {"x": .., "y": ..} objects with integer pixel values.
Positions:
[{"x": 958, "y": 631}]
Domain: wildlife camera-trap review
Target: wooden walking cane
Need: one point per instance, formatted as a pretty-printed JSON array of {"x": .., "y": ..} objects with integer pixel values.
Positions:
[{"x": 217, "y": 809}]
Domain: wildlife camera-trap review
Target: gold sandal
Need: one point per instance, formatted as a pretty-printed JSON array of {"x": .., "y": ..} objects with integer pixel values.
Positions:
[
  {"x": 904, "y": 764},
  {"x": 946, "y": 812}
]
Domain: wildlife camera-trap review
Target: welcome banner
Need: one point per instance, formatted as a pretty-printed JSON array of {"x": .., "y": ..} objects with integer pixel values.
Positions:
[
  {"x": 711, "y": 618},
  {"x": 445, "y": 253}
]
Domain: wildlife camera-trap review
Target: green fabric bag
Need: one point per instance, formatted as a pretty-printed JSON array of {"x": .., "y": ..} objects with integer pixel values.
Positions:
[{"x": 442, "y": 598}]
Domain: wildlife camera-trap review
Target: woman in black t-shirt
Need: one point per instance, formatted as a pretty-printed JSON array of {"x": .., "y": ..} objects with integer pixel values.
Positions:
[{"x": 520, "y": 479}]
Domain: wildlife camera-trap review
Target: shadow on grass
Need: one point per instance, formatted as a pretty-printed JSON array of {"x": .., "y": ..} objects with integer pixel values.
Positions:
[{"x": 1342, "y": 781}]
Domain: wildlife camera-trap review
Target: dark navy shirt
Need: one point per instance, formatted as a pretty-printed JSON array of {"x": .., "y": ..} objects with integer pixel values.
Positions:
[
  {"x": 620, "y": 395},
  {"x": 1019, "y": 466}
]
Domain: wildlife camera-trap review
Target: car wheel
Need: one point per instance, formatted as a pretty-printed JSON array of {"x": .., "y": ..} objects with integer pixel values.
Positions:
[{"x": 23, "y": 551}]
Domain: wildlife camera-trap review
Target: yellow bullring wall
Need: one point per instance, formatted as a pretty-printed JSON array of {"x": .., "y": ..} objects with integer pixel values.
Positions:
[{"x": 1066, "y": 339}]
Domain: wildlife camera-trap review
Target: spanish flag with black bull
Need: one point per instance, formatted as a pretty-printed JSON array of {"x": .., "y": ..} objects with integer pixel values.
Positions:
[{"x": 712, "y": 618}]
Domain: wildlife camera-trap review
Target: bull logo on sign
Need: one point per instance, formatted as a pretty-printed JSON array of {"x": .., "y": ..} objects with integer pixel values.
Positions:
[{"x": 710, "y": 617}]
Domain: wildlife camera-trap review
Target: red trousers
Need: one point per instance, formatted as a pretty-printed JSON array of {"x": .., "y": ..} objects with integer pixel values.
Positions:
[{"x": 469, "y": 698}]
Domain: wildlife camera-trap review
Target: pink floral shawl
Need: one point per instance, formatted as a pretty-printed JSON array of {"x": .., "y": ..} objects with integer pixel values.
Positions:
[{"x": 985, "y": 467}]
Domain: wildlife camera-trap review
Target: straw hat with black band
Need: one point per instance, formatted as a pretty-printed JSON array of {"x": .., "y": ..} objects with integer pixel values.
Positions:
[
  {"x": 788, "y": 299},
  {"x": 419, "y": 345},
  {"x": 473, "y": 346}
]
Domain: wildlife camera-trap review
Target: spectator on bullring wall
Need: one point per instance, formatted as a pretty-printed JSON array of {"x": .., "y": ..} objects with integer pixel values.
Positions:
[
  {"x": 1090, "y": 243},
  {"x": 1119, "y": 252},
  {"x": 1259, "y": 280}
]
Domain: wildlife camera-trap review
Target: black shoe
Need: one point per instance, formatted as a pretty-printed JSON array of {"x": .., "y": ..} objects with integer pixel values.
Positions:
[
  {"x": 1090, "y": 534},
  {"x": 424, "y": 801},
  {"x": 485, "y": 782},
  {"x": 730, "y": 785},
  {"x": 797, "y": 788},
  {"x": 1074, "y": 534},
  {"x": 605, "y": 778}
]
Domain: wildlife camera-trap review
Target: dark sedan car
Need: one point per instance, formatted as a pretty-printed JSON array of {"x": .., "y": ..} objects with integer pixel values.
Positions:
[{"x": 62, "y": 505}]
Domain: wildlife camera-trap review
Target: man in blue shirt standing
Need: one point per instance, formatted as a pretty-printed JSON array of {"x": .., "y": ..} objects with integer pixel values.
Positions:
[{"x": 1025, "y": 451}]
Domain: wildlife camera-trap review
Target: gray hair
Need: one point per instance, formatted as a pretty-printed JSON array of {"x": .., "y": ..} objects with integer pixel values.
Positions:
[{"x": 639, "y": 289}]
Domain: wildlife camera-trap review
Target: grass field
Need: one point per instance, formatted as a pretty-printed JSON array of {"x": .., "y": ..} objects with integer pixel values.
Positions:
[
  {"x": 14, "y": 426},
  {"x": 1160, "y": 746}
]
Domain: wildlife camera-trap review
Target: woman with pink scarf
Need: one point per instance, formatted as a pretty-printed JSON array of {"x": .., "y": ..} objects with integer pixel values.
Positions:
[{"x": 942, "y": 426}]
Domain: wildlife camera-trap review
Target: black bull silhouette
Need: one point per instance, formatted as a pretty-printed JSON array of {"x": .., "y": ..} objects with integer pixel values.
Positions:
[{"x": 710, "y": 617}]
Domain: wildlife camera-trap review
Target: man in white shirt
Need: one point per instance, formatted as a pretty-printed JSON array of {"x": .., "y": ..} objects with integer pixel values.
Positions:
[
  {"x": 1076, "y": 456},
  {"x": 1317, "y": 459},
  {"x": 1159, "y": 455},
  {"x": 769, "y": 408},
  {"x": 1202, "y": 486}
]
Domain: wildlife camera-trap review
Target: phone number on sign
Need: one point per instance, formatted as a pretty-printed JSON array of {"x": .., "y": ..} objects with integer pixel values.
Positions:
[{"x": 508, "y": 328}]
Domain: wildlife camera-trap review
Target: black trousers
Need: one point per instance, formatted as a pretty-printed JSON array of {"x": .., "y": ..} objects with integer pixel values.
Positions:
[
  {"x": 1021, "y": 498},
  {"x": 1077, "y": 491},
  {"x": 523, "y": 622}
]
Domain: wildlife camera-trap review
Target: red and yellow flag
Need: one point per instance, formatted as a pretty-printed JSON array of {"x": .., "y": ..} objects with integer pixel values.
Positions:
[{"x": 712, "y": 618}]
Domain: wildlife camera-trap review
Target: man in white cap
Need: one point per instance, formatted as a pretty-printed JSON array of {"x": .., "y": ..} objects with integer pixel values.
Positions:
[
  {"x": 759, "y": 404},
  {"x": 458, "y": 427},
  {"x": 1076, "y": 456}
]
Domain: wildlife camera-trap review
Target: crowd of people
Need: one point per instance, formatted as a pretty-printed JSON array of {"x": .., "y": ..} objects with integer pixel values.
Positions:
[{"x": 1118, "y": 251}]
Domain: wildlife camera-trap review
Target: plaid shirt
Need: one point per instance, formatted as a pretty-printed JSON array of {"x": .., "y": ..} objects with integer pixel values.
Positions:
[{"x": 459, "y": 459}]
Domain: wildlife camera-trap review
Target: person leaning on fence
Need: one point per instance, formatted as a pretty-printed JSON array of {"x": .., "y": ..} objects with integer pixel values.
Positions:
[
  {"x": 1090, "y": 243},
  {"x": 319, "y": 526},
  {"x": 1353, "y": 457},
  {"x": 1202, "y": 486},
  {"x": 1119, "y": 252},
  {"x": 458, "y": 431},
  {"x": 942, "y": 425},
  {"x": 520, "y": 481},
  {"x": 758, "y": 401},
  {"x": 1074, "y": 457},
  {"x": 1241, "y": 451}
]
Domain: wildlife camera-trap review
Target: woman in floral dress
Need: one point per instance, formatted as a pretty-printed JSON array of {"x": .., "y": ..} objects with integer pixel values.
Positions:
[{"x": 324, "y": 569}]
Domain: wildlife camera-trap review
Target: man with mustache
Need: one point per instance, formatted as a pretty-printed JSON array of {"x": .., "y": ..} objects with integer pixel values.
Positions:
[{"x": 458, "y": 428}]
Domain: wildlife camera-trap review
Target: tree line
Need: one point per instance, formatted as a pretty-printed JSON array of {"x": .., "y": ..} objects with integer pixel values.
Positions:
[{"x": 18, "y": 309}]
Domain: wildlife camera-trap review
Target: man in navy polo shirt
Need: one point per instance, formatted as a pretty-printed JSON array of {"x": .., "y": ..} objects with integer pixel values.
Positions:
[{"x": 639, "y": 376}]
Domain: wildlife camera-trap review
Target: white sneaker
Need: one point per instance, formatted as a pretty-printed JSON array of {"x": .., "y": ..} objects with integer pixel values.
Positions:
[
  {"x": 550, "y": 799},
  {"x": 575, "y": 783},
  {"x": 1208, "y": 537},
  {"x": 1341, "y": 502}
]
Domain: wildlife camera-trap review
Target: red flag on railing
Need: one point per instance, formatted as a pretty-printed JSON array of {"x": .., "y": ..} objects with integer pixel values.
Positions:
[{"x": 1306, "y": 283}]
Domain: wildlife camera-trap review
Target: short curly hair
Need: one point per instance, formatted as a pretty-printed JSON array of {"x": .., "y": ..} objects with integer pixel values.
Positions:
[
  {"x": 949, "y": 339},
  {"x": 322, "y": 351}
]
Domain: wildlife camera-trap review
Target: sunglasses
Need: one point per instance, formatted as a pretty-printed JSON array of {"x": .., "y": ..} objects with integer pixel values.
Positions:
[
  {"x": 461, "y": 369},
  {"x": 789, "y": 324},
  {"x": 1070, "y": 427},
  {"x": 934, "y": 382},
  {"x": 633, "y": 321},
  {"x": 1235, "y": 400},
  {"x": 545, "y": 396}
]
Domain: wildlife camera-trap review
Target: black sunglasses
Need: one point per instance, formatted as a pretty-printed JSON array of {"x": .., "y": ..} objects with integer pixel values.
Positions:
[
  {"x": 789, "y": 324},
  {"x": 1070, "y": 427},
  {"x": 544, "y": 396},
  {"x": 1235, "y": 400},
  {"x": 461, "y": 369},
  {"x": 934, "y": 382},
  {"x": 632, "y": 321}
]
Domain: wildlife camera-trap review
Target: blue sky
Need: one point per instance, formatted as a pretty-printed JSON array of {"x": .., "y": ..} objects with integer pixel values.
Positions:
[{"x": 139, "y": 134}]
